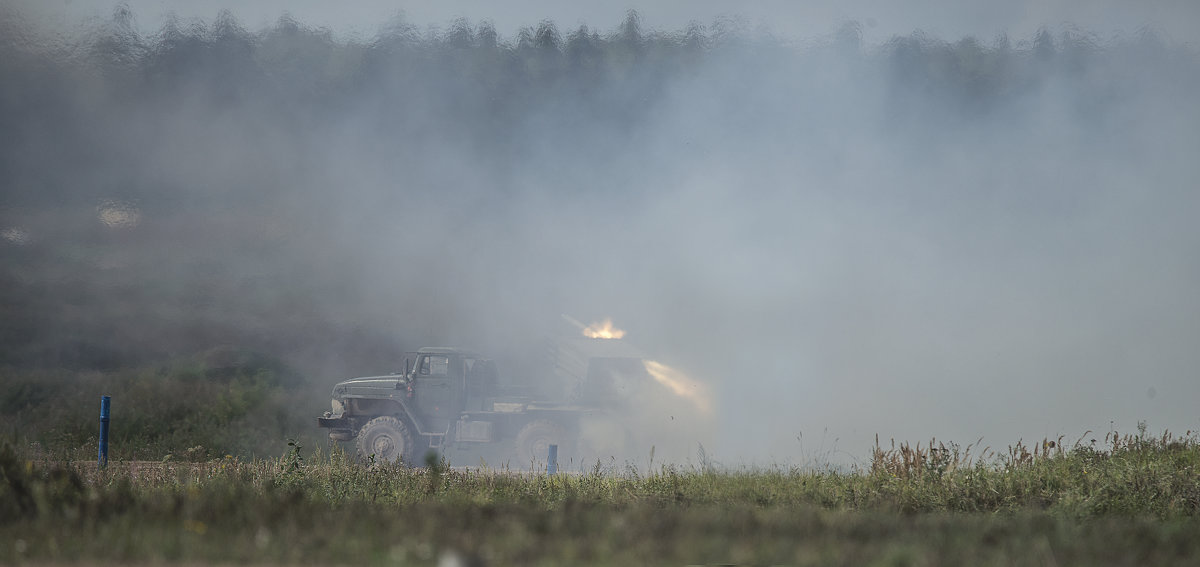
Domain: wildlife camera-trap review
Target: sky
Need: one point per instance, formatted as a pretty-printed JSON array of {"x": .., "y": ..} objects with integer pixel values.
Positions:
[{"x": 835, "y": 250}]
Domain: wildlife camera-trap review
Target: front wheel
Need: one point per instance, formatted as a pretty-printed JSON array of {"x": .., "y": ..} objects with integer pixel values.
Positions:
[{"x": 386, "y": 438}]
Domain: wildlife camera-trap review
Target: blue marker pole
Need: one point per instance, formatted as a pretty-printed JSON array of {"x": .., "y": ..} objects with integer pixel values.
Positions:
[
  {"x": 102, "y": 459},
  {"x": 552, "y": 460}
]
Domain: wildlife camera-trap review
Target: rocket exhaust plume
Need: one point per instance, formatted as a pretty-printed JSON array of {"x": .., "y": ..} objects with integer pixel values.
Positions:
[
  {"x": 681, "y": 385},
  {"x": 603, "y": 330}
]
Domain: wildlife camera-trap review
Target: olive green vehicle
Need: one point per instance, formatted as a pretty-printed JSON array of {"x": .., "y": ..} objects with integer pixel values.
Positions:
[{"x": 452, "y": 398}]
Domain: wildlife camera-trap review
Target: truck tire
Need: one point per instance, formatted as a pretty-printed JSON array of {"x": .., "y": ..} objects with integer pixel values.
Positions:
[
  {"x": 535, "y": 439},
  {"x": 387, "y": 439}
]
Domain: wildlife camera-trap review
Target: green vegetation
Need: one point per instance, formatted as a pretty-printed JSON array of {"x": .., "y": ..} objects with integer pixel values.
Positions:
[
  {"x": 1131, "y": 500},
  {"x": 223, "y": 402}
]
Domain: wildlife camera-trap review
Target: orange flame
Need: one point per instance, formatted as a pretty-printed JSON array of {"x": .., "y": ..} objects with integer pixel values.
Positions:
[
  {"x": 680, "y": 384},
  {"x": 603, "y": 330}
]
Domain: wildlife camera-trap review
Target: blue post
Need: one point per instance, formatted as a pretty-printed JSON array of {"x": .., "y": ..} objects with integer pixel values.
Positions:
[
  {"x": 552, "y": 460},
  {"x": 102, "y": 459}
]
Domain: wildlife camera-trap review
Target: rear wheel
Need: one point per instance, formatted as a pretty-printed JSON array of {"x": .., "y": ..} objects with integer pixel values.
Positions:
[
  {"x": 387, "y": 439},
  {"x": 535, "y": 439}
]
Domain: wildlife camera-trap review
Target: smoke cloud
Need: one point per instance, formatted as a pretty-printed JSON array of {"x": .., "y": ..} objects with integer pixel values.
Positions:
[{"x": 844, "y": 235}]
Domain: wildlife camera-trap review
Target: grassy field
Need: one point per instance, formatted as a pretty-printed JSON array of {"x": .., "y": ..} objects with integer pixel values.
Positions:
[
  {"x": 192, "y": 408},
  {"x": 1126, "y": 500}
]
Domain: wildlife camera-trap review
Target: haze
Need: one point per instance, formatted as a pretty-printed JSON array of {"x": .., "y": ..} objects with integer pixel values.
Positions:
[{"x": 844, "y": 227}]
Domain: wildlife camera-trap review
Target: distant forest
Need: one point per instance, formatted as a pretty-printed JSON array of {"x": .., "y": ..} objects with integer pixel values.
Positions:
[{"x": 76, "y": 97}]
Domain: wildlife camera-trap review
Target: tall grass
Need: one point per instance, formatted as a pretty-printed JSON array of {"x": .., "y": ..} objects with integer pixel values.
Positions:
[
  {"x": 1132, "y": 499},
  {"x": 1130, "y": 475}
]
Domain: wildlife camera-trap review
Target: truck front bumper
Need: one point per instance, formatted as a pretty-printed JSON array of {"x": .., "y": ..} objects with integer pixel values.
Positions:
[
  {"x": 335, "y": 422},
  {"x": 340, "y": 428}
]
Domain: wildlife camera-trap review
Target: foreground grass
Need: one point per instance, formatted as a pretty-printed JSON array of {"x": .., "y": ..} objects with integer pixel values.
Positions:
[{"x": 1133, "y": 501}]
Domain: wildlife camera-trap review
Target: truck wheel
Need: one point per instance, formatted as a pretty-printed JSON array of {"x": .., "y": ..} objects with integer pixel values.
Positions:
[
  {"x": 387, "y": 438},
  {"x": 535, "y": 439}
]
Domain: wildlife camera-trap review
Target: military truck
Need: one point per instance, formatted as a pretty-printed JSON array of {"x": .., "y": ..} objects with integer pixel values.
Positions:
[{"x": 449, "y": 397}]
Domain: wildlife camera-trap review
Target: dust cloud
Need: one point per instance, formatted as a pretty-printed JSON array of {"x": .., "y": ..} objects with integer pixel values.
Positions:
[{"x": 842, "y": 234}]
